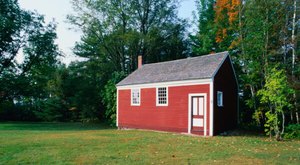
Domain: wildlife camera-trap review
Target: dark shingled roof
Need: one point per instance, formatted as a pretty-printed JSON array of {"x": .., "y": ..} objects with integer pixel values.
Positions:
[{"x": 200, "y": 67}]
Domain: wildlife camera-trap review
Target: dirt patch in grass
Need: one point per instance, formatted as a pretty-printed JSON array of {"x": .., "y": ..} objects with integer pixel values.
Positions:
[{"x": 239, "y": 159}]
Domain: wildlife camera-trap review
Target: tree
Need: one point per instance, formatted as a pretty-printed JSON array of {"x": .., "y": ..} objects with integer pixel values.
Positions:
[
  {"x": 226, "y": 19},
  {"x": 294, "y": 48},
  {"x": 121, "y": 30},
  {"x": 18, "y": 28},
  {"x": 204, "y": 41},
  {"x": 288, "y": 36},
  {"x": 259, "y": 35},
  {"x": 258, "y": 48},
  {"x": 276, "y": 93},
  {"x": 12, "y": 21},
  {"x": 218, "y": 20},
  {"x": 24, "y": 30},
  {"x": 109, "y": 95},
  {"x": 24, "y": 83},
  {"x": 81, "y": 90},
  {"x": 115, "y": 32}
]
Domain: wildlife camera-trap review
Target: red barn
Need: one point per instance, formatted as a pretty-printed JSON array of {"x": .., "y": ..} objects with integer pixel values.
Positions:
[{"x": 197, "y": 95}]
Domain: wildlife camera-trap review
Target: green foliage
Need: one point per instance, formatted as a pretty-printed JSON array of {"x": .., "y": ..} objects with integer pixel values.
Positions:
[
  {"x": 292, "y": 131},
  {"x": 24, "y": 29},
  {"x": 150, "y": 28},
  {"x": 13, "y": 21},
  {"x": 265, "y": 32},
  {"x": 276, "y": 94},
  {"x": 260, "y": 37},
  {"x": 204, "y": 41},
  {"x": 24, "y": 83},
  {"x": 51, "y": 109},
  {"x": 271, "y": 123},
  {"x": 276, "y": 90},
  {"x": 109, "y": 96},
  {"x": 81, "y": 85},
  {"x": 112, "y": 43},
  {"x": 257, "y": 33},
  {"x": 217, "y": 26}
]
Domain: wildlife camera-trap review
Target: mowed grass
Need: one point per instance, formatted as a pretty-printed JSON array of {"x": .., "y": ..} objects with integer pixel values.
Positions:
[{"x": 76, "y": 143}]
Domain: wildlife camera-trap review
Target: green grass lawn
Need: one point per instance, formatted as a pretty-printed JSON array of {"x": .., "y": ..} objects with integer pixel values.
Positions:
[{"x": 75, "y": 143}]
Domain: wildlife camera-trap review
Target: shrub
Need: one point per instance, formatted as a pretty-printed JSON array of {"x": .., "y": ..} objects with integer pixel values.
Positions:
[
  {"x": 292, "y": 131},
  {"x": 109, "y": 95}
]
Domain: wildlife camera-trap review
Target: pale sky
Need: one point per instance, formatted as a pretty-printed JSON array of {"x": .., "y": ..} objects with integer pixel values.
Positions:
[{"x": 59, "y": 9}]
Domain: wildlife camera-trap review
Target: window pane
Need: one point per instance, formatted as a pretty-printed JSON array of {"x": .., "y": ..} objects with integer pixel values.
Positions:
[
  {"x": 135, "y": 94},
  {"x": 162, "y": 95},
  {"x": 220, "y": 98}
]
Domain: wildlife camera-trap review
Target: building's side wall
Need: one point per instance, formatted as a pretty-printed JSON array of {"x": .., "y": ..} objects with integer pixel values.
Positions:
[
  {"x": 173, "y": 117},
  {"x": 225, "y": 118}
]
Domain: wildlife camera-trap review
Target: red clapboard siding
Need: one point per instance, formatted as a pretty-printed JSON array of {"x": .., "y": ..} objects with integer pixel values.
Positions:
[{"x": 173, "y": 117}]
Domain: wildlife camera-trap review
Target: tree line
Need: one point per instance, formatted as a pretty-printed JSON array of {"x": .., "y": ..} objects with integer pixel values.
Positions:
[{"x": 261, "y": 36}]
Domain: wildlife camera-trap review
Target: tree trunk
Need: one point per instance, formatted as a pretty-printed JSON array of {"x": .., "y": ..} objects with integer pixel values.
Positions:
[
  {"x": 265, "y": 52},
  {"x": 292, "y": 115},
  {"x": 253, "y": 96},
  {"x": 241, "y": 7},
  {"x": 297, "y": 116},
  {"x": 284, "y": 39},
  {"x": 294, "y": 58},
  {"x": 276, "y": 126},
  {"x": 283, "y": 125},
  {"x": 293, "y": 37}
]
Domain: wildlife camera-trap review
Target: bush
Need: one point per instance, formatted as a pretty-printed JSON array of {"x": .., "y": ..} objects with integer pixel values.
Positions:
[
  {"x": 51, "y": 109},
  {"x": 292, "y": 131},
  {"x": 109, "y": 95}
]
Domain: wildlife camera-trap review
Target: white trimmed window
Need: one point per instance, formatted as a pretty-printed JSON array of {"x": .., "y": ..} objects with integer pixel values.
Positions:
[
  {"x": 135, "y": 96},
  {"x": 220, "y": 99},
  {"x": 162, "y": 96}
]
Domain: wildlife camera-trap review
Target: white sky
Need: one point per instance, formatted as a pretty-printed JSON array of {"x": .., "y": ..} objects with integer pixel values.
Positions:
[{"x": 59, "y": 9}]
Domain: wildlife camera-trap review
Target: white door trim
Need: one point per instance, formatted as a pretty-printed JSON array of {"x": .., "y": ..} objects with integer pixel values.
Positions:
[
  {"x": 117, "y": 109},
  {"x": 190, "y": 111}
]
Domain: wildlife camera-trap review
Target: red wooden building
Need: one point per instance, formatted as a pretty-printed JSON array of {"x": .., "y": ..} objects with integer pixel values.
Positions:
[{"x": 197, "y": 95}]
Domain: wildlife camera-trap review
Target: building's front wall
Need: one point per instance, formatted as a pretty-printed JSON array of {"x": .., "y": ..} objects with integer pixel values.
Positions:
[{"x": 173, "y": 117}]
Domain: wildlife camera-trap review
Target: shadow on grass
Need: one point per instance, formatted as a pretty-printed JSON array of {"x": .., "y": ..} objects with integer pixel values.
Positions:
[
  {"x": 53, "y": 126},
  {"x": 254, "y": 134},
  {"x": 78, "y": 126},
  {"x": 243, "y": 132}
]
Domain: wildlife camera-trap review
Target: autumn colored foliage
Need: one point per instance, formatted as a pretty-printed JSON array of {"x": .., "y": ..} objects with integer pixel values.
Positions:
[{"x": 226, "y": 14}]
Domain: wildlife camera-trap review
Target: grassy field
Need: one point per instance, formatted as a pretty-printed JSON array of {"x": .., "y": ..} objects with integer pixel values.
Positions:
[{"x": 75, "y": 143}]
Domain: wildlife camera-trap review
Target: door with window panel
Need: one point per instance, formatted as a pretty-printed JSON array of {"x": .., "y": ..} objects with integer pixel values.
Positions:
[{"x": 198, "y": 112}]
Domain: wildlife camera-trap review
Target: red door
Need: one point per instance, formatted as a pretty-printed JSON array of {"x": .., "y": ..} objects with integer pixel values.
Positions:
[{"x": 198, "y": 112}]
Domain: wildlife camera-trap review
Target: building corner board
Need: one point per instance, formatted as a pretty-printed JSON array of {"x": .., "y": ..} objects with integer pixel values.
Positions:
[
  {"x": 211, "y": 109},
  {"x": 117, "y": 108}
]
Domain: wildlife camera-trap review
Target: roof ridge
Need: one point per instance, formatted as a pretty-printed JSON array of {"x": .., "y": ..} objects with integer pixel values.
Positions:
[{"x": 188, "y": 58}]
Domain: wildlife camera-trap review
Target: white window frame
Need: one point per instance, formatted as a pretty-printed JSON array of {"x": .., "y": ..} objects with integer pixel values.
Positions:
[
  {"x": 167, "y": 96},
  {"x": 220, "y": 102},
  {"x": 131, "y": 96}
]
